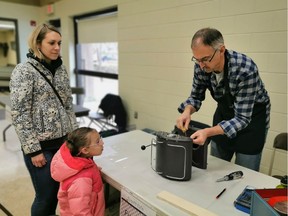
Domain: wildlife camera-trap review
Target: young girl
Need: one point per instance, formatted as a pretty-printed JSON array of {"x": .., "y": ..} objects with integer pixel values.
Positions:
[{"x": 81, "y": 188}]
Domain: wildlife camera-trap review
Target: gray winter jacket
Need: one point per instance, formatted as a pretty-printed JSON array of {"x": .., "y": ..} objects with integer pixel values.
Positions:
[{"x": 37, "y": 113}]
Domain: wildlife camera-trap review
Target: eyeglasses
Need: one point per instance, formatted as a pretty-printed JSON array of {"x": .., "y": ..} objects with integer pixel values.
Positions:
[
  {"x": 97, "y": 142},
  {"x": 204, "y": 60}
]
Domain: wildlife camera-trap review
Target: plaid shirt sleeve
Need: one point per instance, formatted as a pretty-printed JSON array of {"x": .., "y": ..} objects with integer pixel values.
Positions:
[
  {"x": 245, "y": 86},
  {"x": 201, "y": 82}
]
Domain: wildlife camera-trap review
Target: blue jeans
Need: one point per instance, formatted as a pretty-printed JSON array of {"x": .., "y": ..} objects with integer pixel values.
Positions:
[
  {"x": 248, "y": 161},
  {"x": 46, "y": 189}
]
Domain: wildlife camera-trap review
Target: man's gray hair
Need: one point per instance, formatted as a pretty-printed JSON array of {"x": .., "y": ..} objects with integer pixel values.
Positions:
[{"x": 209, "y": 37}]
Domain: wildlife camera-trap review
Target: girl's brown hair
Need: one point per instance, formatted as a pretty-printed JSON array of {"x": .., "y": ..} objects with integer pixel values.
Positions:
[{"x": 77, "y": 139}]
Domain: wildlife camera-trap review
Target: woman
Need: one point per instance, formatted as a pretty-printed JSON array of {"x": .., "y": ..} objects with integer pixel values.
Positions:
[{"x": 42, "y": 112}]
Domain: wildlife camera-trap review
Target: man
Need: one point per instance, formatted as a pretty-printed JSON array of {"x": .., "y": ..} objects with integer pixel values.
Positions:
[{"x": 241, "y": 120}]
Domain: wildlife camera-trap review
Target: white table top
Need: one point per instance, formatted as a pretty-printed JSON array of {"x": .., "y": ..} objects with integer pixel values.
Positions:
[{"x": 124, "y": 164}]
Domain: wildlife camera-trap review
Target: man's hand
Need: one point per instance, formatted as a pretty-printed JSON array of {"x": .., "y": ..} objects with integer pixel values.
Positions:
[
  {"x": 199, "y": 137},
  {"x": 184, "y": 119}
]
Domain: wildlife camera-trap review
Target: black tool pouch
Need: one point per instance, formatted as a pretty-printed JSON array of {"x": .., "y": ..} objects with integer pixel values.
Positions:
[{"x": 199, "y": 152}]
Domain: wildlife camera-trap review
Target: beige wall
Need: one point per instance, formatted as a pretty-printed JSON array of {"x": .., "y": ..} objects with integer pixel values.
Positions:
[
  {"x": 155, "y": 71},
  {"x": 155, "y": 67},
  {"x": 3, "y": 59},
  {"x": 7, "y": 37},
  {"x": 24, "y": 14},
  {"x": 11, "y": 57}
]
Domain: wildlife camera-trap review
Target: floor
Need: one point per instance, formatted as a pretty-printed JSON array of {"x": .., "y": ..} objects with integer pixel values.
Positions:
[{"x": 16, "y": 194}]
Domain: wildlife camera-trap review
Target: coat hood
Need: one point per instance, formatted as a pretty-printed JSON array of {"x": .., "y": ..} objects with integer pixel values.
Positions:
[{"x": 64, "y": 165}]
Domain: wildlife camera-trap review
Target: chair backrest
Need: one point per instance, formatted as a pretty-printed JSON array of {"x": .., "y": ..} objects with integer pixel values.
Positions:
[
  {"x": 280, "y": 141},
  {"x": 112, "y": 105},
  {"x": 79, "y": 92}
]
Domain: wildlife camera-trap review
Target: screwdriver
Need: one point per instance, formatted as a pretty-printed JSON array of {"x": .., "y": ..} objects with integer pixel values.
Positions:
[
  {"x": 231, "y": 176},
  {"x": 184, "y": 130}
]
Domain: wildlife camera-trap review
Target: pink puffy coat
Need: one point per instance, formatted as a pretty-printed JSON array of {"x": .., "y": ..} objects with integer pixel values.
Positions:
[{"x": 81, "y": 188}]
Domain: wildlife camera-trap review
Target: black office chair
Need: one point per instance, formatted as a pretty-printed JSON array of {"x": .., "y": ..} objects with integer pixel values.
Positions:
[
  {"x": 111, "y": 116},
  {"x": 280, "y": 142},
  {"x": 79, "y": 92}
]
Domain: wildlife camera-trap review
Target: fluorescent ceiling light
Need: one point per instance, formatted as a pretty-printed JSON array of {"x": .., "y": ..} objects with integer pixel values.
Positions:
[{"x": 7, "y": 26}]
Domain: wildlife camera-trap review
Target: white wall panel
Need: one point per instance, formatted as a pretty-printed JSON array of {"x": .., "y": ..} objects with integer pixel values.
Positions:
[{"x": 154, "y": 36}]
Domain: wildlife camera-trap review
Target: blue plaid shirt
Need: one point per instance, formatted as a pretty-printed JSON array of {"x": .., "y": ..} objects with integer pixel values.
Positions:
[{"x": 245, "y": 86}]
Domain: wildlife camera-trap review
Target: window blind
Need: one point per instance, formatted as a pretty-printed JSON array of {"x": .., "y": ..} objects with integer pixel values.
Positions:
[{"x": 98, "y": 29}]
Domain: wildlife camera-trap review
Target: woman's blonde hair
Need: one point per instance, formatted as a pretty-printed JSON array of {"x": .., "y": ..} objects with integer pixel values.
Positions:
[{"x": 37, "y": 36}]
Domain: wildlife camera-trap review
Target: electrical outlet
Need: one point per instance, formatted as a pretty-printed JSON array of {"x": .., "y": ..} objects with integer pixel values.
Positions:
[{"x": 136, "y": 115}]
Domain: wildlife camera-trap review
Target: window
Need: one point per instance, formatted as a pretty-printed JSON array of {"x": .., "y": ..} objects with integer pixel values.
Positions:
[
  {"x": 96, "y": 56},
  {"x": 100, "y": 57}
]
